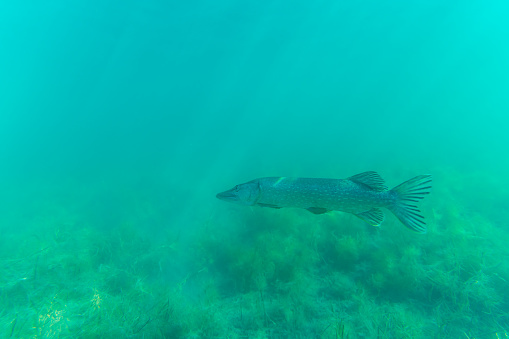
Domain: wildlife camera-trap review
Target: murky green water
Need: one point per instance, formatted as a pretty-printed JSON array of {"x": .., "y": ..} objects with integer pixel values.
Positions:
[{"x": 120, "y": 121}]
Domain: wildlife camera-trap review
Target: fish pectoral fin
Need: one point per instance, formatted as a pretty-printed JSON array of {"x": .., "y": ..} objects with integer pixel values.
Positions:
[
  {"x": 268, "y": 205},
  {"x": 371, "y": 179},
  {"x": 374, "y": 216},
  {"x": 317, "y": 210}
]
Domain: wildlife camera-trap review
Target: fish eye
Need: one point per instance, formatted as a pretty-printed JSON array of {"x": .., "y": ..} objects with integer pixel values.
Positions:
[{"x": 236, "y": 188}]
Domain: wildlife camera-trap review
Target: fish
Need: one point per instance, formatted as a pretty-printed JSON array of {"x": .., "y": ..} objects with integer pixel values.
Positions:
[{"x": 363, "y": 195}]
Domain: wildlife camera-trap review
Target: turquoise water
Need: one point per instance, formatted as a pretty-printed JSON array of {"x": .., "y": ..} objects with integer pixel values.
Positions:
[{"x": 121, "y": 120}]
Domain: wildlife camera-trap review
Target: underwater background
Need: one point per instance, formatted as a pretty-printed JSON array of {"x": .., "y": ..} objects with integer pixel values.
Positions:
[{"x": 121, "y": 120}]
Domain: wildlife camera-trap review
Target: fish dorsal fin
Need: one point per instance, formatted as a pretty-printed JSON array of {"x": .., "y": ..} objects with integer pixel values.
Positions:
[
  {"x": 374, "y": 216},
  {"x": 371, "y": 179}
]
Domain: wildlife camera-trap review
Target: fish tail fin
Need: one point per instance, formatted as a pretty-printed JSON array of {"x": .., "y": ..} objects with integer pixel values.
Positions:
[{"x": 406, "y": 195}]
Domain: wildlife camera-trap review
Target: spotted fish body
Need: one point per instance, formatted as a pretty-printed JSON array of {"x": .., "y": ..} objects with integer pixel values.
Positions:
[{"x": 362, "y": 194}]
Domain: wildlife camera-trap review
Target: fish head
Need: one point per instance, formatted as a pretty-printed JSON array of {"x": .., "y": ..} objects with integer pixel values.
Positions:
[{"x": 243, "y": 194}]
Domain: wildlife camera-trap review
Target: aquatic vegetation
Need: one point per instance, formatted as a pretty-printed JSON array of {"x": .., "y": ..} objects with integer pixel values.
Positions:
[
  {"x": 58, "y": 292},
  {"x": 268, "y": 274}
]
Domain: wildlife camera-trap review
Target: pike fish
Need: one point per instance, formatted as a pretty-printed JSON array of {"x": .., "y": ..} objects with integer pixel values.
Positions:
[{"x": 362, "y": 195}]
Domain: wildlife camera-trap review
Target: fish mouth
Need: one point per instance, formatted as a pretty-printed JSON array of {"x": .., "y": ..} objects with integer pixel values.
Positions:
[{"x": 227, "y": 195}]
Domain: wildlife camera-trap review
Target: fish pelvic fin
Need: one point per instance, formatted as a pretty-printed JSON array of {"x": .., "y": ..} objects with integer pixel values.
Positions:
[
  {"x": 407, "y": 194},
  {"x": 317, "y": 210},
  {"x": 374, "y": 216}
]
